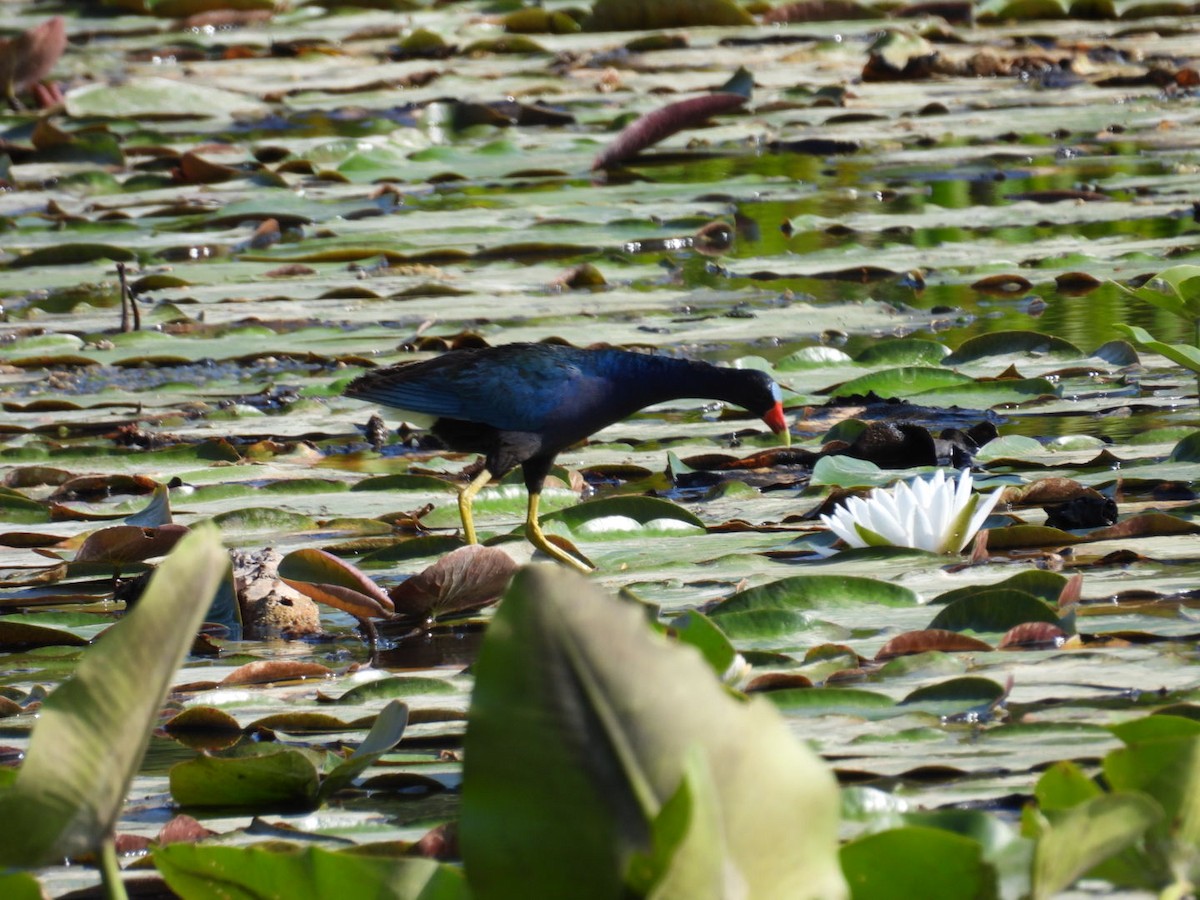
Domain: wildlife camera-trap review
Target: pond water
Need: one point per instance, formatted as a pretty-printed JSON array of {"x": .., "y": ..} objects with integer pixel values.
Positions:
[{"x": 298, "y": 200}]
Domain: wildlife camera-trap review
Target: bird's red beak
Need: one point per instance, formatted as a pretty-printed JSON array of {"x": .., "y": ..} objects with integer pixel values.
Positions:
[{"x": 778, "y": 423}]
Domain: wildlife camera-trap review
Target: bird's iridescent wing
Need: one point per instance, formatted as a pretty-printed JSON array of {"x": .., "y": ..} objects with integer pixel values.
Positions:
[{"x": 512, "y": 388}]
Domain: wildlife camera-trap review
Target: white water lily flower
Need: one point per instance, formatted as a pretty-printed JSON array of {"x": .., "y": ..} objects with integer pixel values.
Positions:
[{"x": 937, "y": 514}]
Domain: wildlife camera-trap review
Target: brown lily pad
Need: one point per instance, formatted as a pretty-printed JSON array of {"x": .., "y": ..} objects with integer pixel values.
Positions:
[
  {"x": 465, "y": 579},
  {"x": 931, "y": 639}
]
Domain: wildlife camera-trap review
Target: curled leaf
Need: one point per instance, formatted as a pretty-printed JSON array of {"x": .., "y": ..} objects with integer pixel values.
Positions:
[
  {"x": 655, "y": 126},
  {"x": 266, "y": 671},
  {"x": 334, "y": 582},
  {"x": 129, "y": 543},
  {"x": 467, "y": 578},
  {"x": 29, "y": 57},
  {"x": 1033, "y": 636},
  {"x": 930, "y": 639}
]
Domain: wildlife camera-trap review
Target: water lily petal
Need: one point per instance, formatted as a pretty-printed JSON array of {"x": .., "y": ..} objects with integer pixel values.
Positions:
[
  {"x": 883, "y": 517},
  {"x": 927, "y": 528},
  {"x": 987, "y": 502},
  {"x": 970, "y": 518},
  {"x": 910, "y": 509},
  {"x": 944, "y": 509},
  {"x": 841, "y": 523},
  {"x": 927, "y": 489},
  {"x": 873, "y": 539},
  {"x": 938, "y": 514}
]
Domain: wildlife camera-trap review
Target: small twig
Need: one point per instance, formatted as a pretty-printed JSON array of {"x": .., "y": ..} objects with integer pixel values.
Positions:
[
  {"x": 128, "y": 303},
  {"x": 372, "y": 634}
]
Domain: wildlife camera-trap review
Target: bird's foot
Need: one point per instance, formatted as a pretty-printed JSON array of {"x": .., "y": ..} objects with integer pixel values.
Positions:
[
  {"x": 537, "y": 537},
  {"x": 465, "y": 497}
]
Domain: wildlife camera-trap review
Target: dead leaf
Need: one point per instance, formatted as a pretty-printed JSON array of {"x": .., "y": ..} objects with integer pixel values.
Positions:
[
  {"x": 930, "y": 639},
  {"x": 268, "y": 671},
  {"x": 464, "y": 579}
]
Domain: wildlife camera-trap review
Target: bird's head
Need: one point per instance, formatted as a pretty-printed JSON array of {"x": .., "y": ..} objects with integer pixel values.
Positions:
[{"x": 770, "y": 406}]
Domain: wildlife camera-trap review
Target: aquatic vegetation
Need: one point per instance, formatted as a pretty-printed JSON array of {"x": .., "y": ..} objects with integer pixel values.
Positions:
[{"x": 937, "y": 514}]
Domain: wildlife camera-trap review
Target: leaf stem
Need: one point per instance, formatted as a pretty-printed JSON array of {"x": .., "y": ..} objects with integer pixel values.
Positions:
[
  {"x": 1196, "y": 324},
  {"x": 110, "y": 871}
]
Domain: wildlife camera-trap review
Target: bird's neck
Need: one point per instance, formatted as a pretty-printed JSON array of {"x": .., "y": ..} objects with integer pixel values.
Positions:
[{"x": 657, "y": 379}]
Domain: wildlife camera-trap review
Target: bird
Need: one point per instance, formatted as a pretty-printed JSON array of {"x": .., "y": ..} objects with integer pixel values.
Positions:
[{"x": 521, "y": 404}]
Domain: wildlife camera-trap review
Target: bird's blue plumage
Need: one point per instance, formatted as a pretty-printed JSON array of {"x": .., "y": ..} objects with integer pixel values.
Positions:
[
  {"x": 514, "y": 387},
  {"x": 520, "y": 404}
]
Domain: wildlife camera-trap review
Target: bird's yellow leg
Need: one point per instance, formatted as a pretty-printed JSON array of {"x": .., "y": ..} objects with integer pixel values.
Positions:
[
  {"x": 465, "y": 497},
  {"x": 537, "y": 537}
]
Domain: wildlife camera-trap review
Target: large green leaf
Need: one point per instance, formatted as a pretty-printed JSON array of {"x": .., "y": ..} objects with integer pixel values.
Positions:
[
  {"x": 384, "y": 735},
  {"x": 902, "y": 382},
  {"x": 816, "y": 592},
  {"x": 917, "y": 861},
  {"x": 628, "y": 15},
  {"x": 1186, "y": 355},
  {"x": 1167, "y": 769},
  {"x": 268, "y": 783},
  {"x": 688, "y": 847},
  {"x": 1086, "y": 835},
  {"x": 93, "y": 730},
  {"x": 303, "y": 873},
  {"x": 1184, "y": 297},
  {"x": 1000, "y": 343},
  {"x": 580, "y": 725},
  {"x": 993, "y": 609},
  {"x": 640, "y": 511}
]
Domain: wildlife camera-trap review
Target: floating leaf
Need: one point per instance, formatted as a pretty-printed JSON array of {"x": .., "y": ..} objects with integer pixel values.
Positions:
[
  {"x": 650, "y": 15},
  {"x": 880, "y": 866},
  {"x": 810, "y": 592},
  {"x": 163, "y": 98},
  {"x": 957, "y": 695},
  {"x": 63, "y": 254},
  {"x": 1047, "y": 586},
  {"x": 903, "y": 352},
  {"x": 833, "y": 701},
  {"x": 901, "y": 382},
  {"x": 930, "y": 639},
  {"x": 388, "y": 688},
  {"x": 995, "y": 609},
  {"x": 23, "y": 635},
  {"x": 1032, "y": 635},
  {"x": 269, "y": 671},
  {"x": 121, "y": 544},
  {"x": 464, "y": 579},
  {"x": 641, "y": 511},
  {"x": 305, "y": 873},
  {"x": 1002, "y": 343},
  {"x": 203, "y": 719},
  {"x": 1187, "y": 450},
  {"x": 330, "y": 580},
  {"x": 283, "y": 780}
]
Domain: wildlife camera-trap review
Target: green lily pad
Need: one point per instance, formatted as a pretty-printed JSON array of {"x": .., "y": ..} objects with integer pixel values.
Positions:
[
  {"x": 283, "y": 780},
  {"x": 994, "y": 609}
]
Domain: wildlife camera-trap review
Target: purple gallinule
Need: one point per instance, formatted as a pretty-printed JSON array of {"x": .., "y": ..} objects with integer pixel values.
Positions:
[{"x": 521, "y": 404}]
